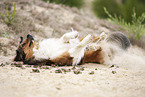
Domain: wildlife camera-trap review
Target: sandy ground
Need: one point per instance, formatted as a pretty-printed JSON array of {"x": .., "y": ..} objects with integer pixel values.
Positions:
[
  {"x": 125, "y": 79},
  {"x": 104, "y": 82}
]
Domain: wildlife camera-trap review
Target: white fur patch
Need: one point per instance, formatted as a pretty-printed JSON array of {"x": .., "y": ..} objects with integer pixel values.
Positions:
[
  {"x": 54, "y": 47},
  {"x": 78, "y": 51}
]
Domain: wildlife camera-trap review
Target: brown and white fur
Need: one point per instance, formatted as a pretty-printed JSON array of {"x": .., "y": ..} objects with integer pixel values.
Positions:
[{"x": 66, "y": 50}]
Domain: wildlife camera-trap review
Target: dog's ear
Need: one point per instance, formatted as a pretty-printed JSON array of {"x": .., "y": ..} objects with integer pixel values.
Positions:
[
  {"x": 30, "y": 36},
  {"x": 21, "y": 39},
  {"x": 31, "y": 39}
]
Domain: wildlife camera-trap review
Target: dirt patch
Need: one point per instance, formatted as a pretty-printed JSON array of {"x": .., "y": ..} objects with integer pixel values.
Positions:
[{"x": 16, "y": 82}]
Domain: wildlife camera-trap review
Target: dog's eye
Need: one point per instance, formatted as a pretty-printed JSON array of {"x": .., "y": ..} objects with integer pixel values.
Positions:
[{"x": 23, "y": 44}]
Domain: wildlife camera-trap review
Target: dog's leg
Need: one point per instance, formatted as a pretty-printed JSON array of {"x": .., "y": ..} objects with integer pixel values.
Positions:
[
  {"x": 70, "y": 35},
  {"x": 77, "y": 52}
]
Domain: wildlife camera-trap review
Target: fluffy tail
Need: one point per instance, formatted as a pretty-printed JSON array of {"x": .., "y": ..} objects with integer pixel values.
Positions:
[{"x": 119, "y": 39}]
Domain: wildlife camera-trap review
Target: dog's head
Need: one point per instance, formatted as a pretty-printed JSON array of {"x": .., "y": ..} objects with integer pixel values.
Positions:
[{"x": 25, "y": 49}]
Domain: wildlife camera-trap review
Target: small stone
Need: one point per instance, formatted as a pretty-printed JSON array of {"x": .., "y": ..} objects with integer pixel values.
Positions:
[
  {"x": 35, "y": 70},
  {"x": 58, "y": 71},
  {"x": 77, "y": 71},
  {"x": 114, "y": 72},
  {"x": 23, "y": 67},
  {"x": 58, "y": 88},
  {"x": 111, "y": 66},
  {"x": 12, "y": 65},
  {"x": 18, "y": 65},
  {"x": 91, "y": 73},
  {"x": 73, "y": 68},
  {"x": 28, "y": 66},
  {"x": 2, "y": 65},
  {"x": 45, "y": 67},
  {"x": 82, "y": 68},
  {"x": 65, "y": 70},
  {"x": 35, "y": 66},
  {"x": 7, "y": 63},
  {"x": 53, "y": 65}
]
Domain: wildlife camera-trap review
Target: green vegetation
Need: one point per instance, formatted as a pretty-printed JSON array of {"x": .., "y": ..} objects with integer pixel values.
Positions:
[
  {"x": 71, "y": 3},
  {"x": 9, "y": 17},
  {"x": 137, "y": 5},
  {"x": 136, "y": 27},
  {"x": 111, "y": 5},
  {"x": 123, "y": 9}
]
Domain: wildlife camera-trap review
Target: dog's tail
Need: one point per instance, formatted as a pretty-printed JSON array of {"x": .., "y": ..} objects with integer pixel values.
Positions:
[{"x": 119, "y": 39}]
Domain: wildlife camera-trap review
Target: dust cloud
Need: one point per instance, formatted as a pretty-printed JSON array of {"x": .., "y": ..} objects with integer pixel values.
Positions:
[{"x": 133, "y": 58}]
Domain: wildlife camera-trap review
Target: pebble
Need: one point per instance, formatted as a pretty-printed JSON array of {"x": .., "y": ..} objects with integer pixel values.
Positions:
[
  {"x": 28, "y": 66},
  {"x": 2, "y": 65},
  {"x": 44, "y": 67},
  {"x": 114, "y": 72},
  {"x": 82, "y": 68},
  {"x": 91, "y": 73},
  {"x": 16, "y": 64},
  {"x": 35, "y": 70},
  {"x": 77, "y": 71},
  {"x": 58, "y": 71},
  {"x": 23, "y": 67},
  {"x": 66, "y": 70},
  {"x": 35, "y": 66},
  {"x": 111, "y": 66}
]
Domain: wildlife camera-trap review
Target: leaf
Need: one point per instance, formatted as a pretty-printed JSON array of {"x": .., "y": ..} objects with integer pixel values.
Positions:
[
  {"x": 7, "y": 10},
  {"x": 14, "y": 11}
]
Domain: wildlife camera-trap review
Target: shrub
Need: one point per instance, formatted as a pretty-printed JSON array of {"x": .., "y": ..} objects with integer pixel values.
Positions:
[
  {"x": 129, "y": 5},
  {"x": 9, "y": 17},
  {"x": 71, "y": 3},
  {"x": 123, "y": 9},
  {"x": 111, "y": 5},
  {"x": 136, "y": 27}
]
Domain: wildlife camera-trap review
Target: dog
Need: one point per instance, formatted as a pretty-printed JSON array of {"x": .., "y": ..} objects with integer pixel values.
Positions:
[{"x": 66, "y": 50}]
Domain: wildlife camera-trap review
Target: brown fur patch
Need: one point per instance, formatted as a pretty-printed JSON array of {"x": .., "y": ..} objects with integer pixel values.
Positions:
[
  {"x": 93, "y": 57},
  {"x": 25, "y": 51},
  {"x": 25, "y": 54},
  {"x": 64, "y": 59}
]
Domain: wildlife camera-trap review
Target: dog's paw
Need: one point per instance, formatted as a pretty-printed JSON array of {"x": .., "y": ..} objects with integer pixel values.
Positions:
[{"x": 94, "y": 47}]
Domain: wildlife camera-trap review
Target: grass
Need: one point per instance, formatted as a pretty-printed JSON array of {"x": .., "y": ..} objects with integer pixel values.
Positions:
[
  {"x": 8, "y": 17},
  {"x": 135, "y": 28},
  {"x": 71, "y": 3}
]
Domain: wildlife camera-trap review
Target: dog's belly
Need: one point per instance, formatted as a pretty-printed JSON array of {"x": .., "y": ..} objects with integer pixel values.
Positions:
[{"x": 52, "y": 48}]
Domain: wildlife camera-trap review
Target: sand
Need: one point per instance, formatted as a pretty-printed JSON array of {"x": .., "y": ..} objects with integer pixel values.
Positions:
[{"x": 106, "y": 81}]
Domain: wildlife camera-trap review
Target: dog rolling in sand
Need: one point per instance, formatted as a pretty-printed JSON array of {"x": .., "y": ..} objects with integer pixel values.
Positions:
[{"x": 68, "y": 49}]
